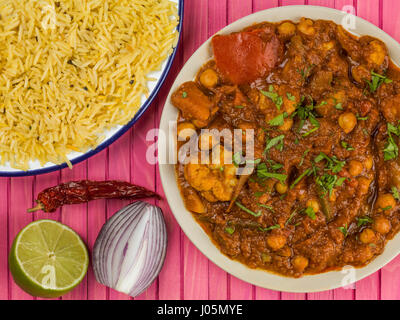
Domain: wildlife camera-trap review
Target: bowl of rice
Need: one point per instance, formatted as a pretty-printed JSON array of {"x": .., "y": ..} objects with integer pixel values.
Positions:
[{"x": 77, "y": 74}]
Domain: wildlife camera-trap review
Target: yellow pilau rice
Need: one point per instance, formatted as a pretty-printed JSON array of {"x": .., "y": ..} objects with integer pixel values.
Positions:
[{"x": 70, "y": 69}]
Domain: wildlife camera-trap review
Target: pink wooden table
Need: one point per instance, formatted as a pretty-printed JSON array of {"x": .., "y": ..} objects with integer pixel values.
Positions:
[{"x": 187, "y": 274}]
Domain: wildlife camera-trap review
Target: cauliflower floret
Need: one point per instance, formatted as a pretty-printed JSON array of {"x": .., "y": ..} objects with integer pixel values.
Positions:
[{"x": 215, "y": 181}]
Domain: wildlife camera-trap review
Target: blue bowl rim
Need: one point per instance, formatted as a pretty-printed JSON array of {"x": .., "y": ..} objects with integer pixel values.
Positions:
[{"x": 124, "y": 128}]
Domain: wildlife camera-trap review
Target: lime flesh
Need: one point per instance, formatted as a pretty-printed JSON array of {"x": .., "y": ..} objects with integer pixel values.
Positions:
[{"x": 48, "y": 259}]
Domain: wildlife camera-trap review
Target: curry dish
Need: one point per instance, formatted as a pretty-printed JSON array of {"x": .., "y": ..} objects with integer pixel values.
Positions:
[{"x": 322, "y": 189}]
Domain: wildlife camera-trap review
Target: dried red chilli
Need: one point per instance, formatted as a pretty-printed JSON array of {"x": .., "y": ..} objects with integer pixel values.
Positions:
[{"x": 74, "y": 192}]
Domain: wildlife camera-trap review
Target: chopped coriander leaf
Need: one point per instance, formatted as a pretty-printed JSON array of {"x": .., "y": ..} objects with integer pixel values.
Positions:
[
  {"x": 364, "y": 220},
  {"x": 344, "y": 230},
  {"x": 277, "y": 141},
  {"x": 237, "y": 159},
  {"x": 290, "y": 96},
  {"x": 365, "y": 131},
  {"x": 310, "y": 213},
  {"x": 229, "y": 230},
  {"x": 309, "y": 132},
  {"x": 258, "y": 194},
  {"x": 387, "y": 208},
  {"x": 376, "y": 81},
  {"x": 279, "y": 120},
  {"x": 277, "y": 226},
  {"x": 274, "y": 165},
  {"x": 328, "y": 182},
  {"x": 361, "y": 118},
  {"x": 306, "y": 113},
  {"x": 291, "y": 217},
  {"x": 296, "y": 141},
  {"x": 391, "y": 150},
  {"x": 262, "y": 172},
  {"x": 393, "y": 129},
  {"x": 339, "y": 106},
  {"x": 305, "y": 173},
  {"x": 303, "y": 157},
  {"x": 334, "y": 164},
  {"x": 396, "y": 193},
  {"x": 184, "y": 94},
  {"x": 239, "y": 107},
  {"x": 346, "y": 146},
  {"x": 306, "y": 71},
  {"x": 275, "y": 97},
  {"x": 259, "y": 213},
  {"x": 256, "y": 161},
  {"x": 266, "y": 207}
]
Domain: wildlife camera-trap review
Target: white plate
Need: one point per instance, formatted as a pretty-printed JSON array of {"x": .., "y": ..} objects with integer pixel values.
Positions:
[
  {"x": 110, "y": 135},
  {"x": 310, "y": 283}
]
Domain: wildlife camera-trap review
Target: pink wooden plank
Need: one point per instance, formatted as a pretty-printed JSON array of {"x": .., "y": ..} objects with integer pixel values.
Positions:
[
  {"x": 259, "y": 5},
  {"x": 369, "y": 10},
  {"x": 292, "y": 2},
  {"x": 390, "y": 280},
  {"x": 236, "y": 10},
  {"x": 4, "y": 205},
  {"x": 369, "y": 288},
  {"x": 171, "y": 276},
  {"x": 75, "y": 216},
  {"x": 20, "y": 201},
  {"x": 390, "y": 275},
  {"x": 195, "y": 264},
  {"x": 340, "y": 4},
  {"x": 143, "y": 172},
  {"x": 218, "y": 283},
  {"x": 118, "y": 169},
  {"x": 42, "y": 182},
  {"x": 97, "y": 166}
]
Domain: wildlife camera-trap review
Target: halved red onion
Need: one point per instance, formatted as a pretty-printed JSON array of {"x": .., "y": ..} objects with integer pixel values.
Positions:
[{"x": 130, "y": 249}]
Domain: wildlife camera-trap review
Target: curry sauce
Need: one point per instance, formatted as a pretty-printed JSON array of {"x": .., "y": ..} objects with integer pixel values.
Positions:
[{"x": 324, "y": 107}]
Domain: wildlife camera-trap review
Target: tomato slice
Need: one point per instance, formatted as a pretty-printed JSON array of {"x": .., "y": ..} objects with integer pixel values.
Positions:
[{"x": 246, "y": 56}]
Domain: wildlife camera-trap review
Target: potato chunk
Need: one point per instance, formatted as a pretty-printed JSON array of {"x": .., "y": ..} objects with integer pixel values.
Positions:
[{"x": 193, "y": 103}]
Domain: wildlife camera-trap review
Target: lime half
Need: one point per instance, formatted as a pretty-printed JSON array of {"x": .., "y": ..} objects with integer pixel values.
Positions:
[{"x": 48, "y": 259}]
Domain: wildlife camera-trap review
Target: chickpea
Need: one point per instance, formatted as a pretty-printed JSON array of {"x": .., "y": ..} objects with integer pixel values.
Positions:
[
  {"x": 276, "y": 242},
  {"x": 287, "y": 29},
  {"x": 367, "y": 236},
  {"x": 185, "y": 130},
  {"x": 385, "y": 201},
  {"x": 306, "y": 26},
  {"x": 347, "y": 121},
  {"x": 209, "y": 78},
  {"x": 281, "y": 188},
  {"x": 369, "y": 163},
  {"x": 363, "y": 185},
  {"x": 355, "y": 168},
  {"x": 300, "y": 263},
  {"x": 287, "y": 124},
  {"x": 381, "y": 225},
  {"x": 313, "y": 204}
]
